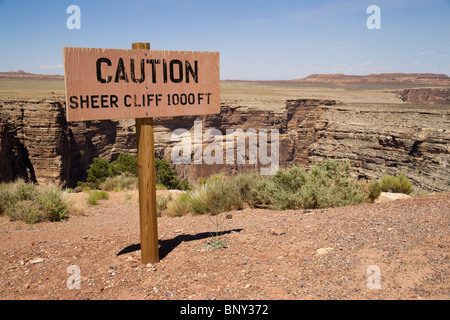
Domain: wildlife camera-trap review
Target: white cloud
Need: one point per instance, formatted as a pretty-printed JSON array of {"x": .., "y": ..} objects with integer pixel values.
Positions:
[
  {"x": 49, "y": 66},
  {"x": 364, "y": 64}
]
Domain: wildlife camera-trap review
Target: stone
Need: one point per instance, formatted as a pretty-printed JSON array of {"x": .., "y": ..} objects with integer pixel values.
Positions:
[
  {"x": 36, "y": 260},
  {"x": 277, "y": 231},
  {"x": 389, "y": 196},
  {"x": 323, "y": 251}
]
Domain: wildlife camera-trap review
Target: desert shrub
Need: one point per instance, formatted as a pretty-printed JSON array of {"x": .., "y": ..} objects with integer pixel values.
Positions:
[
  {"x": 98, "y": 171},
  {"x": 244, "y": 183},
  {"x": 399, "y": 184},
  {"x": 27, "y": 211},
  {"x": 125, "y": 163},
  {"x": 167, "y": 176},
  {"x": 261, "y": 193},
  {"x": 161, "y": 203},
  {"x": 124, "y": 181},
  {"x": 325, "y": 185},
  {"x": 160, "y": 186},
  {"x": 216, "y": 195},
  {"x": 374, "y": 190},
  {"x": 180, "y": 206},
  {"x": 31, "y": 203},
  {"x": 101, "y": 170},
  {"x": 53, "y": 204},
  {"x": 328, "y": 193},
  {"x": 96, "y": 195},
  {"x": 4, "y": 195}
]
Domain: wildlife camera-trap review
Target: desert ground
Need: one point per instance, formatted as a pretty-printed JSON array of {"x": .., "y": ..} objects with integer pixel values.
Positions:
[
  {"x": 389, "y": 250},
  {"x": 292, "y": 254}
]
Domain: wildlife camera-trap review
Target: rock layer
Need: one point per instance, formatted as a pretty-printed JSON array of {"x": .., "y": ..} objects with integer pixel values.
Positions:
[{"x": 36, "y": 142}]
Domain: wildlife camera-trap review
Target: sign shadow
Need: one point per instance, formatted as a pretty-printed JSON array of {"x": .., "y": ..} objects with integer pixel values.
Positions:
[{"x": 166, "y": 246}]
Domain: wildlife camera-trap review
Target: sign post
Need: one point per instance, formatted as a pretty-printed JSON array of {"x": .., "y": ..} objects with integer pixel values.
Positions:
[
  {"x": 147, "y": 184},
  {"x": 106, "y": 84}
]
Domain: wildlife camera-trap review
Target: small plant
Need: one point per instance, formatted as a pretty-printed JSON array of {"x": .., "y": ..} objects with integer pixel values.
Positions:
[
  {"x": 374, "y": 190},
  {"x": 161, "y": 203},
  {"x": 167, "y": 176},
  {"x": 180, "y": 206},
  {"x": 98, "y": 171},
  {"x": 124, "y": 181},
  {"x": 103, "y": 175},
  {"x": 96, "y": 195},
  {"x": 125, "y": 163},
  {"x": 218, "y": 194},
  {"x": 326, "y": 185},
  {"x": 216, "y": 236},
  {"x": 399, "y": 184},
  {"x": 31, "y": 203}
]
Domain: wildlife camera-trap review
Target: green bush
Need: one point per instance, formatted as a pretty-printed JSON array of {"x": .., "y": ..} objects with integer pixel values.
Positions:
[
  {"x": 125, "y": 163},
  {"x": 53, "y": 204},
  {"x": 167, "y": 176},
  {"x": 399, "y": 184},
  {"x": 161, "y": 203},
  {"x": 283, "y": 190},
  {"x": 180, "y": 206},
  {"x": 216, "y": 195},
  {"x": 325, "y": 185},
  {"x": 98, "y": 171},
  {"x": 96, "y": 195},
  {"x": 102, "y": 174},
  {"x": 330, "y": 185},
  {"x": 374, "y": 190},
  {"x": 31, "y": 203},
  {"x": 124, "y": 181}
]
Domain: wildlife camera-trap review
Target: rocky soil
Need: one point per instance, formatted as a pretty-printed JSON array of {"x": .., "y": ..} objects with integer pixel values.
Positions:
[{"x": 295, "y": 254}]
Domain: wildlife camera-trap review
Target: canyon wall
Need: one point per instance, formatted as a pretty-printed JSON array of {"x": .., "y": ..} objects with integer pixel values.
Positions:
[{"x": 36, "y": 142}]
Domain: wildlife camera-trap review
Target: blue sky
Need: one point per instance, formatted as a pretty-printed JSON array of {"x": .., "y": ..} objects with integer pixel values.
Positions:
[{"x": 257, "y": 39}]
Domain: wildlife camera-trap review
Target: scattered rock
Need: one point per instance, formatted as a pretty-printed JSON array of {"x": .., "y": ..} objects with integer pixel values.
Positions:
[
  {"x": 389, "y": 196},
  {"x": 323, "y": 251},
  {"x": 37, "y": 260},
  {"x": 278, "y": 231}
]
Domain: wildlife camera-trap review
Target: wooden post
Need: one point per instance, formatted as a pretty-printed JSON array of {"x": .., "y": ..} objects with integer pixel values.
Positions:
[{"x": 147, "y": 184}]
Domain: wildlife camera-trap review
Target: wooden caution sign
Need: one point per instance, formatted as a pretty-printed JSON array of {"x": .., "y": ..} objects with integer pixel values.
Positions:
[{"x": 106, "y": 84}]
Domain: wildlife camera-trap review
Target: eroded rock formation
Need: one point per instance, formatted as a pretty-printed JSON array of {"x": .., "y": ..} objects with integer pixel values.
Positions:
[{"x": 38, "y": 144}]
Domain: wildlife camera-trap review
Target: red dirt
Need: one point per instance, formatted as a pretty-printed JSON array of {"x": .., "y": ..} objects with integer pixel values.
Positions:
[{"x": 270, "y": 254}]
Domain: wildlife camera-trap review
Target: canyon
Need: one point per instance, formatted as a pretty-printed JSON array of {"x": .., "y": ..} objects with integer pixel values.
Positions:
[{"x": 380, "y": 131}]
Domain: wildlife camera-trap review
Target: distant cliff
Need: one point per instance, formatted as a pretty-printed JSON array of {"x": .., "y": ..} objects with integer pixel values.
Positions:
[
  {"x": 425, "y": 96},
  {"x": 29, "y": 76},
  {"x": 38, "y": 144},
  {"x": 383, "y": 78}
]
